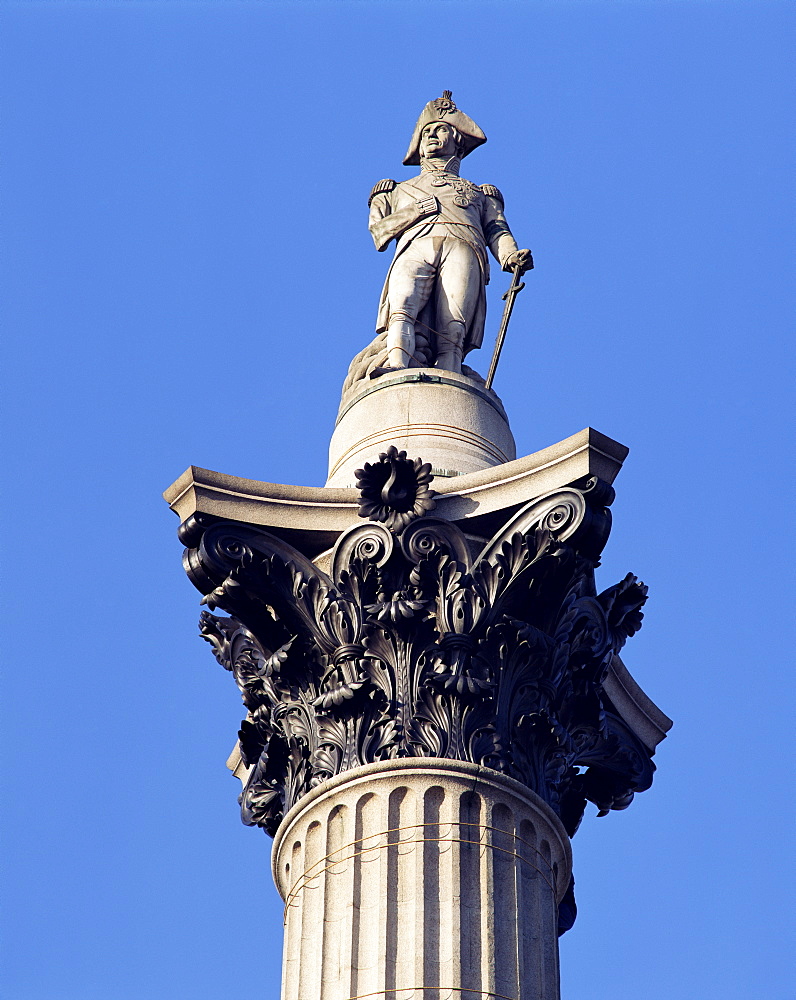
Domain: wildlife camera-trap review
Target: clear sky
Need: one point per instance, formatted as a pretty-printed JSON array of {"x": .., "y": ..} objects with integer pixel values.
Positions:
[{"x": 187, "y": 274}]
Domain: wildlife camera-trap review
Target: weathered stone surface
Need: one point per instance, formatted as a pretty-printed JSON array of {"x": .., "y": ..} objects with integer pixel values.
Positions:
[
  {"x": 456, "y": 424},
  {"x": 312, "y": 517},
  {"x": 421, "y": 879},
  {"x": 637, "y": 709}
]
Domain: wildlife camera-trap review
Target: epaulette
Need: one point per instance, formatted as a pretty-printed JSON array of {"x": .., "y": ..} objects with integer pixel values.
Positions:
[
  {"x": 492, "y": 191},
  {"x": 381, "y": 188}
]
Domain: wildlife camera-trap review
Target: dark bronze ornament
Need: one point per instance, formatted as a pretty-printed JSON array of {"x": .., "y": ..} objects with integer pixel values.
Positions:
[
  {"x": 412, "y": 648},
  {"x": 395, "y": 490}
]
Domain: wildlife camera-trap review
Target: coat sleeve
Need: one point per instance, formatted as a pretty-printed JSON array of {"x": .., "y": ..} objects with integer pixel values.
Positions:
[{"x": 496, "y": 230}]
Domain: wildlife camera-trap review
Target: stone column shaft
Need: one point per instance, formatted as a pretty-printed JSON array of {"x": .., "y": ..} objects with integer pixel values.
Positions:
[{"x": 421, "y": 879}]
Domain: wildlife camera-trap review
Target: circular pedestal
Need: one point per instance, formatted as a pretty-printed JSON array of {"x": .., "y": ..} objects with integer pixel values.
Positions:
[
  {"x": 421, "y": 879},
  {"x": 446, "y": 419}
]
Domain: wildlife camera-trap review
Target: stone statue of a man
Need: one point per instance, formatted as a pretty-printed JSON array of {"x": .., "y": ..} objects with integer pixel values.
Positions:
[{"x": 433, "y": 305}]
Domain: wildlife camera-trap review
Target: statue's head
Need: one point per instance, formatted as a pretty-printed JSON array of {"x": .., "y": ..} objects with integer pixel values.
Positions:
[
  {"x": 442, "y": 122},
  {"x": 440, "y": 139}
]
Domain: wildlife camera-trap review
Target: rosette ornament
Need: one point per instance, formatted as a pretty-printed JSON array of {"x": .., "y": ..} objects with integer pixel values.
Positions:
[{"x": 395, "y": 490}]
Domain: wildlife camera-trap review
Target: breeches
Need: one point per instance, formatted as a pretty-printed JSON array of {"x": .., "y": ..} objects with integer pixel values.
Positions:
[{"x": 445, "y": 268}]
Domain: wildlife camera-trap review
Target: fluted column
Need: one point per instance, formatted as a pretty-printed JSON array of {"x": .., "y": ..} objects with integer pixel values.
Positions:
[{"x": 421, "y": 879}]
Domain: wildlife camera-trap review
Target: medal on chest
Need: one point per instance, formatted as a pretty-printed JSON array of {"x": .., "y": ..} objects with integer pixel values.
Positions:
[
  {"x": 464, "y": 193},
  {"x": 463, "y": 189}
]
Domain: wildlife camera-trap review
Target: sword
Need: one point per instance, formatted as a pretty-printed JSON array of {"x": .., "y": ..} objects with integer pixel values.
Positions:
[{"x": 515, "y": 289}]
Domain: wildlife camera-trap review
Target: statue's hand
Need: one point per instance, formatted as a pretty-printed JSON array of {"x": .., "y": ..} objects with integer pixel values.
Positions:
[
  {"x": 521, "y": 257},
  {"x": 429, "y": 206}
]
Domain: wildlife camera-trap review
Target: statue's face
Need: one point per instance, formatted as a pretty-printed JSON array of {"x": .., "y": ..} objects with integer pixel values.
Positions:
[{"x": 437, "y": 139}]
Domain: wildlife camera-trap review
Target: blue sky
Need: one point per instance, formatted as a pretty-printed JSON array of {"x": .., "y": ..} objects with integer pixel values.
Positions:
[{"x": 187, "y": 274}]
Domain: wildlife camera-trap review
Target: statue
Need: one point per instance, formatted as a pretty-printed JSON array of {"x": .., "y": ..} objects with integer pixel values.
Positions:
[{"x": 433, "y": 305}]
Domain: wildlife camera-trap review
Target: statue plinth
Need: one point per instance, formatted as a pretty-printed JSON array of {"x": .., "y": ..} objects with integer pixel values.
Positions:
[{"x": 456, "y": 423}]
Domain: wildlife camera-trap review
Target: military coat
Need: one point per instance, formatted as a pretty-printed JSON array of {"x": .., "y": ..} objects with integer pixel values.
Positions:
[{"x": 463, "y": 210}]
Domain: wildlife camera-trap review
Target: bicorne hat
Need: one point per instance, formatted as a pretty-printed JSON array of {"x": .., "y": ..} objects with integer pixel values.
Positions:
[{"x": 444, "y": 110}]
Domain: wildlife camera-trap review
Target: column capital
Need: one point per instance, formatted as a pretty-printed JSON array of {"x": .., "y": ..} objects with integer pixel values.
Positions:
[{"x": 418, "y": 640}]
